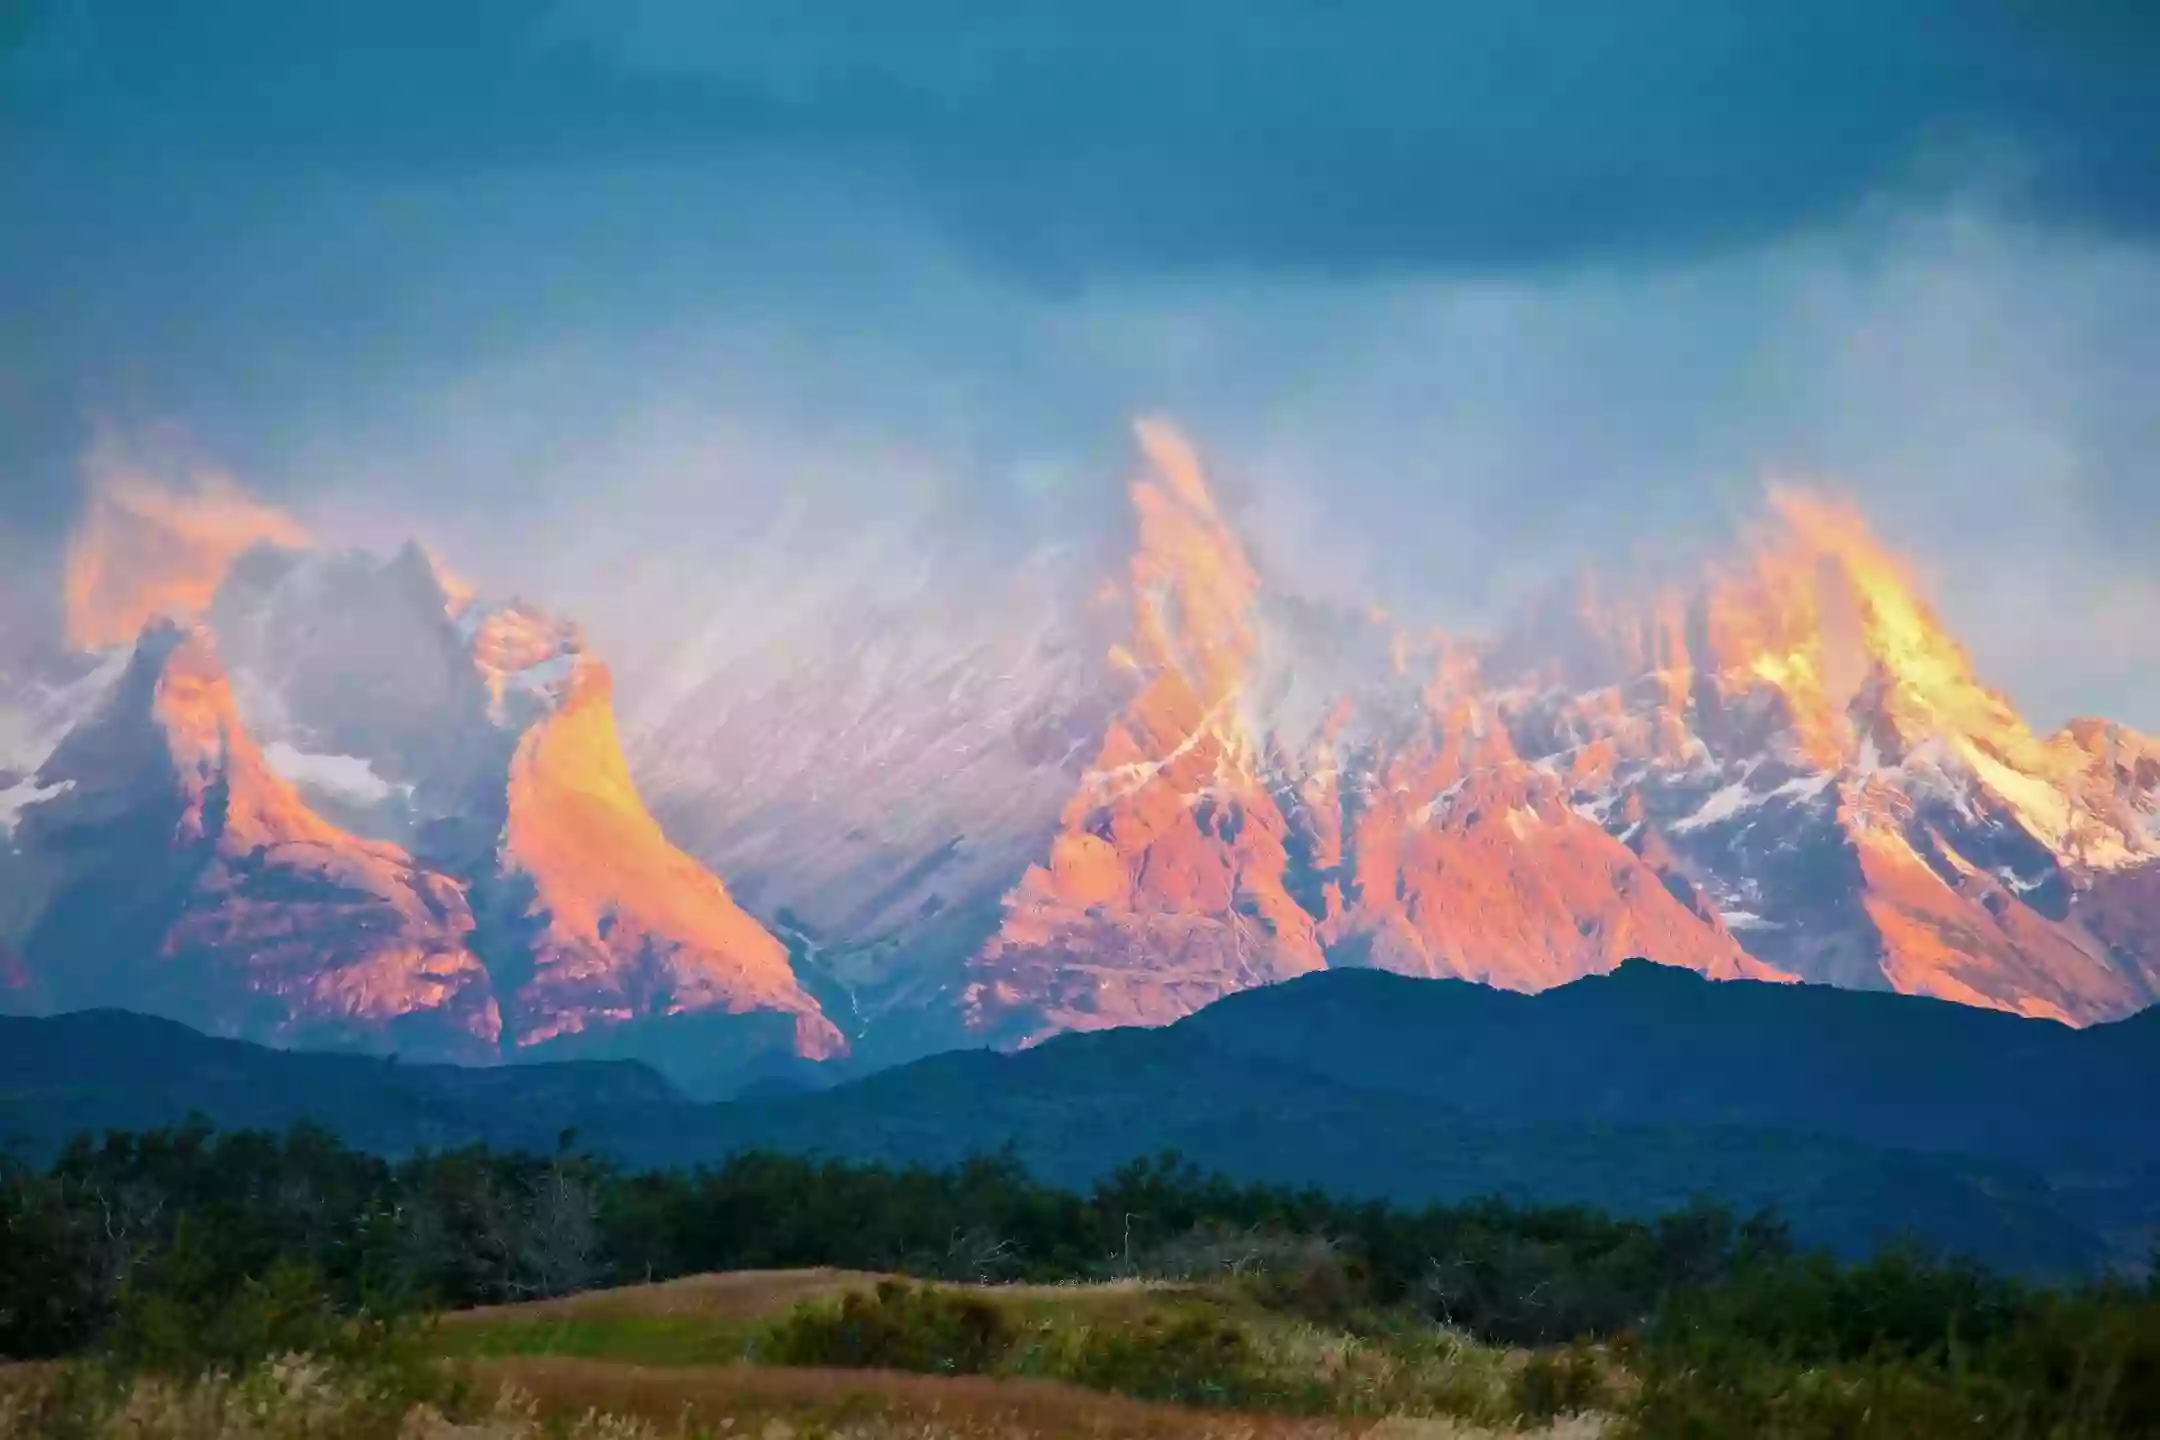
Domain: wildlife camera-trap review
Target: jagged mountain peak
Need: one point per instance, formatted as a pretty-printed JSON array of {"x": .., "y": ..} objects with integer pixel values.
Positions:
[
  {"x": 1291, "y": 787},
  {"x": 456, "y": 591},
  {"x": 1191, "y": 585},
  {"x": 1816, "y": 754},
  {"x": 500, "y": 724},
  {"x": 170, "y": 866},
  {"x": 321, "y": 763},
  {"x": 1779, "y": 765},
  {"x": 1822, "y": 612},
  {"x": 1807, "y": 632},
  {"x": 625, "y": 925}
]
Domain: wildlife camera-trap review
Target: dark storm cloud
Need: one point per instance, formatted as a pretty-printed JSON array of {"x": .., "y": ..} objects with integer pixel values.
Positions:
[
  {"x": 1451, "y": 286},
  {"x": 175, "y": 174},
  {"x": 1145, "y": 133}
]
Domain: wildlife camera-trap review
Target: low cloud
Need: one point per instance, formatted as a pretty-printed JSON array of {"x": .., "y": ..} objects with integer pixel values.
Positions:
[{"x": 154, "y": 544}]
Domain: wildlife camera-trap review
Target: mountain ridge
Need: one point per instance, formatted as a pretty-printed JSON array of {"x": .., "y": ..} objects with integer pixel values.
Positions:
[
  {"x": 1635, "y": 1091},
  {"x": 1787, "y": 771}
]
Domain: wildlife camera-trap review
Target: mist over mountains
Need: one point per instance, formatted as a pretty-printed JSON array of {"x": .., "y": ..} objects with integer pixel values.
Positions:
[{"x": 312, "y": 795}]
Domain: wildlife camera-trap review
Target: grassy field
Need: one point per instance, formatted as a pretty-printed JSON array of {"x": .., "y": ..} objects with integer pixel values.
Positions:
[
  {"x": 770, "y": 1401},
  {"x": 740, "y": 1355},
  {"x": 734, "y": 1355},
  {"x": 715, "y": 1319},
  {"x": 825, "y": 1353},
  {"x": 698, "y": 1320},
  {"x": 699, "y": 1347}
]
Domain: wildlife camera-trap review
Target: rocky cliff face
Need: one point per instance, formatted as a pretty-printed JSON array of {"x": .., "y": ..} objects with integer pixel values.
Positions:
[
  {"x": 173, "y": 871},
  {"x": 1783, "y": 768},
  {"x": 342, "y": 800},
  {"x": 1288, "y": 791},
  {"x": 1164, "y": 885},
  {"x": 1817, "y": 755},
  {"x": 624, "y": 925}
]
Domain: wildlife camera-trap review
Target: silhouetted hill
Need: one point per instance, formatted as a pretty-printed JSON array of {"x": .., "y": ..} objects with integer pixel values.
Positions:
[
  {"x": 97, "y": 1070},
  {"x": 1859, "y": 1116},
  {"x": 1656, "y": 1044}
]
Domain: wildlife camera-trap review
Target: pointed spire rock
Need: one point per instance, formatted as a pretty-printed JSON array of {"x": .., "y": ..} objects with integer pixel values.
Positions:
[
  {"x": 627, "y": 926},
  {"x": 1163, "y": 890}
]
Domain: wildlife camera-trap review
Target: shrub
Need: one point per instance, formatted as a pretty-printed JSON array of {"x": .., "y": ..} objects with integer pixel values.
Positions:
[
  {"x": 1196, "y": 1357},
  {"x": 177, "y": 1316},
  {"x": 1750, "y": 1393},
  {"x": 895, "y": 1327},
  {"x": 1315, "y": 1281},
  {"x": 1563, "y": 1382}
]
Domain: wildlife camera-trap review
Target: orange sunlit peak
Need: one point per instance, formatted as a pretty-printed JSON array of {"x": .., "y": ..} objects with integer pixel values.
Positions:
[
  {"x": 1188, "y": 577},
  {"x": 1899, "y": 622},
  {"x": 458, "y": 592},
  {"x": 1830, "y": 526},
  {"x": 1173, "y": 459},
  {"x": 1821, "y": 603},
  {"x": 152, "y": 544}
]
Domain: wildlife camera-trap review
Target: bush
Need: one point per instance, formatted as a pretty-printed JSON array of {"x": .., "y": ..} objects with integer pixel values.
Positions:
[
  {"x": 1314, "y": 1281},
  {"x": 1195, "y": 1357},
  {"x": 171, "y": 1322},
  {"x": 895, "y": 1327},
  {"x": 1750, "y": 1393},
  {"x": 1563, "y": 1382}
]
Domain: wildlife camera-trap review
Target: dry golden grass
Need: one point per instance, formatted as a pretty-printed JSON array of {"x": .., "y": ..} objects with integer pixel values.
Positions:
[
  {"x": 596, "y": 1400},
  {"x": 20, "y": 1383},
  {"x": 755, "y": 1400}
]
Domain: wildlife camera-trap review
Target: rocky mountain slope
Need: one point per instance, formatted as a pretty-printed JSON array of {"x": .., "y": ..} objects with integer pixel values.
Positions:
[
  {"x": 1815, "y": 754},
  {"x": 1215, "y": 844},
  {"x": 343, "y": 803},
  {"x": 169, "y": 866},
  {"x": 1777, "y": 764}
]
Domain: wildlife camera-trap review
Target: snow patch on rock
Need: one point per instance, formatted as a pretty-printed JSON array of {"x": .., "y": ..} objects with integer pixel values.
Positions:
[
  {"x": 21, "y": 796},
  {"x": 348, "y": 777},
  {"x": 1722, "y": 805}
]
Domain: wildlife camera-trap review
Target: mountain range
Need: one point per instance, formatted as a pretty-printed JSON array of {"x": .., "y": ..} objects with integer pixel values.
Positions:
[{"x": 326, "y": 798}]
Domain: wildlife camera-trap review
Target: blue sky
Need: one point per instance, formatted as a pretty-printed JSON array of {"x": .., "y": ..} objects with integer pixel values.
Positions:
[{"x": 1455, "y": 295}]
